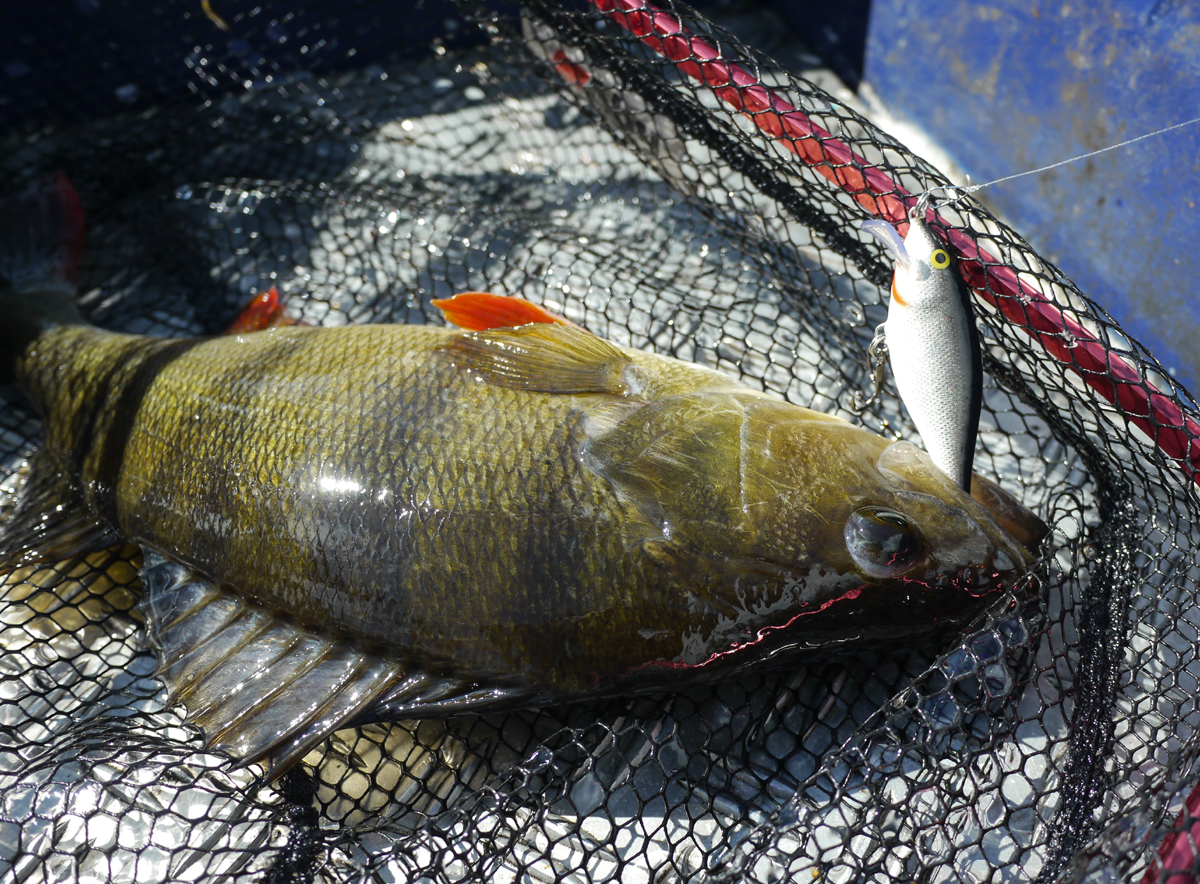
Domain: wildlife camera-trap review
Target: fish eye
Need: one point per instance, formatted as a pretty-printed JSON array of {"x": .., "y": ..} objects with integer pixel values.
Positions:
[
  {"x": 883, "y": 542},
  {"x": 939, "y": 259}
]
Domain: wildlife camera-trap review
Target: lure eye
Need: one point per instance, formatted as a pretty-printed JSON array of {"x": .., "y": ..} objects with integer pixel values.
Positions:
[
  {"x": 882, "y": 542},
  {"x": 939, "y": 259}
]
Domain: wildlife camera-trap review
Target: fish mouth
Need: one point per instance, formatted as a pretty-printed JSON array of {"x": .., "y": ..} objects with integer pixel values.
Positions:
[{"x": 1013, "y": 534}]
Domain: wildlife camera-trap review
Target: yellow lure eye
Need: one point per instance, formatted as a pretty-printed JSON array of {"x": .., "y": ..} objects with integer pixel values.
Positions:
[{"x": 939, "y": 259}]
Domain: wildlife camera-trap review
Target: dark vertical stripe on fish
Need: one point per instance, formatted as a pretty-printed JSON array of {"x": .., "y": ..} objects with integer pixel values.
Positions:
[{"x": 119, "y": 417}]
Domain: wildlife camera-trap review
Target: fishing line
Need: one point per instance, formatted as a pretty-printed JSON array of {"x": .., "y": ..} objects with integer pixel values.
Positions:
[{"x": 962, "y": 190}]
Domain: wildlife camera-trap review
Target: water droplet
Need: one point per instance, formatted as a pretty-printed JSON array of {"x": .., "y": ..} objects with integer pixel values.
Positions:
[
  {"x": 184, "y": 193},
  {"x": 942, "y": 712},
  {"x": 539, "y": 761},
  {"x": 127, "y": 93},
  {"x": 587, "y": 794}
]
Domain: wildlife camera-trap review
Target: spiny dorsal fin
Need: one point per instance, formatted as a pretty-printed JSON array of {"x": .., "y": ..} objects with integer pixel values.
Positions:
[{"x": 545, "y": 358}]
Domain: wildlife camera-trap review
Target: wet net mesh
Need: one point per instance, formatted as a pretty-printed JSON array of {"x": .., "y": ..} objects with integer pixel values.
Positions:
[{"x": 668, "y": 187}]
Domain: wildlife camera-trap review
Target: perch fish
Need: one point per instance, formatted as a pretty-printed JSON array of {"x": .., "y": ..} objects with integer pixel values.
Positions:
[{"x": 357, "y": 523}]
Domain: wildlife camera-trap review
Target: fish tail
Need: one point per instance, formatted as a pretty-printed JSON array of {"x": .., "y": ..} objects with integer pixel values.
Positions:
[{"x": 41, "y": 240}]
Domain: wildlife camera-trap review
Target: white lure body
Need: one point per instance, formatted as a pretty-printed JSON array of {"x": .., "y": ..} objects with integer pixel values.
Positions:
[{"x": 934, "y": 346}]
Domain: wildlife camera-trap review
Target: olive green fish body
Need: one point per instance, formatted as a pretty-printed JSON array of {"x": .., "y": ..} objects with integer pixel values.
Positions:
[
  {"x": 407, "y": 518},
  {"x": 364, "y": 480}
]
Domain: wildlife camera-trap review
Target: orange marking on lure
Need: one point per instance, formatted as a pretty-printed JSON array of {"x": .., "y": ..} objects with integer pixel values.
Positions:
[
  {"x": 896, "y": 295},
  {"x": 481, "y": 311},
  {"x": 573, "y": 73},
  {"x": 263, "y": 311}
]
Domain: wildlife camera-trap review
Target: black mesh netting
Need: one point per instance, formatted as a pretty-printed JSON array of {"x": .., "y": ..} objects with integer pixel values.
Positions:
[{"x": 670, "y": 188}]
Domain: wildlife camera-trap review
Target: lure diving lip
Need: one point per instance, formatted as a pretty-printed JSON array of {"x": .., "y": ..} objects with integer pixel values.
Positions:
[{"x": 933, "y": 344}]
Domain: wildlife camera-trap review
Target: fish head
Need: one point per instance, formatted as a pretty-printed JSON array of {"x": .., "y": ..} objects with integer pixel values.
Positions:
[
  {"x": 784, "y": 528},
  {"x": 817, "y": 490},
  {"x": 847, "y": 535}
]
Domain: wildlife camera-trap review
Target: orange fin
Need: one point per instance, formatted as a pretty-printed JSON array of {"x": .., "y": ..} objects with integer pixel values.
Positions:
[
  {"x": 570, "y": 71},
  {"x": 483, "y": 311},
  {"x": 263, "y": 311}
]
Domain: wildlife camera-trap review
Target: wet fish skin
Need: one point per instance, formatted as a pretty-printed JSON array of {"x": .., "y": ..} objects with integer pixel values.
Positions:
[{"x": 377, "y": 483}]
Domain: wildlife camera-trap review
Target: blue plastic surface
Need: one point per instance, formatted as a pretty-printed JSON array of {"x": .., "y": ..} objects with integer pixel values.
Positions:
[{"x": 1009, "y": 86}]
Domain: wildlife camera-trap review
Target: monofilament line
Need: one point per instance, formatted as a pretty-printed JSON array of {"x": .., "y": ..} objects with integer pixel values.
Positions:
[{"x": 971, "y": 188}]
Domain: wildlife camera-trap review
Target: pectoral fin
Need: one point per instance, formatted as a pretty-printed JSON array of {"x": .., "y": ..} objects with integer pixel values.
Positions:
[
  {"x": 678, "y": 460},
  {"x": 545, "y": 358}
]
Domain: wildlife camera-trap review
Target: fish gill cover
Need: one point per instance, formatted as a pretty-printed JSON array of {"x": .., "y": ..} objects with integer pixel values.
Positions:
[{"x": 639, "y": 170}]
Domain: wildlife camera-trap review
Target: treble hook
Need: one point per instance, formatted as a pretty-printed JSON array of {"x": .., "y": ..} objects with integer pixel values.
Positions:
[{"x": 877, "y": 361}]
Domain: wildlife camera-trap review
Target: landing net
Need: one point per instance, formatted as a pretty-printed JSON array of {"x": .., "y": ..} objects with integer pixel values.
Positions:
[{"x": 642, "y": 171}]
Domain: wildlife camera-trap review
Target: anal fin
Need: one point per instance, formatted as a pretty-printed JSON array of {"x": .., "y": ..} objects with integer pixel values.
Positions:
[
  {"x": 422, "y": 695},
  {"x": 261, "y": 688}
]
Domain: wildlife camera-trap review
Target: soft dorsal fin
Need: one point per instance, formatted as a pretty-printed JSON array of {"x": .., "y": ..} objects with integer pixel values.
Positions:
[
  {"x": 545, "y": 358},
  {"x": 482, "y": 311}
]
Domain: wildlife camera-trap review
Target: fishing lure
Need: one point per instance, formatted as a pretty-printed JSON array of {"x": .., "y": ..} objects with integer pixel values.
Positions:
[{"x": 933, "y": 344}]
